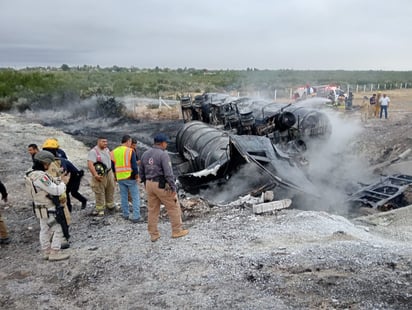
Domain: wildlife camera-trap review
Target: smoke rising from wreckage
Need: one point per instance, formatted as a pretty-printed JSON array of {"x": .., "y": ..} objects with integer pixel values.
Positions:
[
  {"x": 271, "y": 138},
  {"x": 293, "y": 260},
  {"x": 228, "y": 146}
]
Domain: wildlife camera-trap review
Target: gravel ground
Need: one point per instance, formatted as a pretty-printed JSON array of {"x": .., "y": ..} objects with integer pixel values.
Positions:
[{"x": 293, "y": 259}]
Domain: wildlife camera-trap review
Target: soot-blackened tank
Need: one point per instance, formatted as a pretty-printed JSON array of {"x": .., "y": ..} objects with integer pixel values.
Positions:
[{"x": 202, "y": 144}]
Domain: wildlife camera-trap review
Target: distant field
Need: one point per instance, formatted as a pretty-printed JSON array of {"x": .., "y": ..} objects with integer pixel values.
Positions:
[{"x": 401, "y": 99}]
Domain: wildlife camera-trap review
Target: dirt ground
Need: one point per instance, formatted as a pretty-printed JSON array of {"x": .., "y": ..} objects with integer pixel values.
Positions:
[{"x": 232, "y": 258}]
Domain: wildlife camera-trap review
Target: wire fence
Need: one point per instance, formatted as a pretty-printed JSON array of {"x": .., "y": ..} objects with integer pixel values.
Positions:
[{"x": 376, "y": 87}]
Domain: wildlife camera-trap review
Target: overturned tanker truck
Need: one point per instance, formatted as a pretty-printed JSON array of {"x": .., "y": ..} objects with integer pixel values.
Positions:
[
  {"x": 290, "y": 126},
  {"x": 236, "y": 164},
  {"x": 245, "y": 145}
]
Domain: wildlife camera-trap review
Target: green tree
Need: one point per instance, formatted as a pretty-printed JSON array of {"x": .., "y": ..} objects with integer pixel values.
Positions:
[{"x": 65, "y": 67}]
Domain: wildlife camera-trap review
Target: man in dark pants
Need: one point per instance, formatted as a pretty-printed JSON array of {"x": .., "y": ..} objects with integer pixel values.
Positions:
[{"x": 72, "y": 187}]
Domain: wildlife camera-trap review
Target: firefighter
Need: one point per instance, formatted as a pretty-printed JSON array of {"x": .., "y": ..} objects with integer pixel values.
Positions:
[
  {"x": 53, "y": 143},
  {"x": 102, "y": 183}
]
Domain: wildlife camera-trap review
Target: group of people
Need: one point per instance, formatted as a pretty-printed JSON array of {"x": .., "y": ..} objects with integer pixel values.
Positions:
[
  {"x": 124, "y": 166},
  {"x": 379, "y": 104},
  {"x": 50, "y": 182},
  {"x": 53, "y": 178}
]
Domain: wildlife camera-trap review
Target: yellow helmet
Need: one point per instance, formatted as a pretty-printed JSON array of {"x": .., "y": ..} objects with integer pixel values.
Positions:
[{"x": 51, "y": 143}]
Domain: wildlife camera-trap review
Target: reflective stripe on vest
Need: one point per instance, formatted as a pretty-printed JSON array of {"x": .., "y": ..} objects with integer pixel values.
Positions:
[{"x": 122, "y": 156}]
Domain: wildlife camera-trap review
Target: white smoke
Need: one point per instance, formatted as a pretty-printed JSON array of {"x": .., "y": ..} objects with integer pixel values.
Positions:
[
  {"x": 335, "y": 167},
  {"x": 242, "y": 181}
]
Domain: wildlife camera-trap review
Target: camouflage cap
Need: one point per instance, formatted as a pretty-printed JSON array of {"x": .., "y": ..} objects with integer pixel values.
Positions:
[{"x": 44, "y": 157}]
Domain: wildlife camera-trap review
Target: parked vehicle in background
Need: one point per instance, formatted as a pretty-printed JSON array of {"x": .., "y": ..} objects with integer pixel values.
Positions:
[{"x": 331, "y": 92}]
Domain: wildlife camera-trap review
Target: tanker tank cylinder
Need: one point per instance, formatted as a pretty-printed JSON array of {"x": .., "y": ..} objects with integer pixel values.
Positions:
[
  {"x": 311, "y": 122},
  {"x": 232, "y": 120},
  {"x": 284, "y": 121},
  {"x": 202, "y": 144},
  {"x": 247, "y": 119},
  {"x": 198, "y": 101},
  {"x": 185, "y": 102}
]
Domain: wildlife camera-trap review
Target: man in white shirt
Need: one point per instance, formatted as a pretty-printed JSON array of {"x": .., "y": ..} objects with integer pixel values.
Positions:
[{"x": 384, "y": 101}]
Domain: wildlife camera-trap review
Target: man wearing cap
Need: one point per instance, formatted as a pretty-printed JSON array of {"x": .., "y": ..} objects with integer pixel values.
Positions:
[
  {"x": 157, "y": 175},
  {"x": 126, "y": 175},
  {"x": 63, "y": 165},
  {"x": 42, "y": 188},
  {"x": 55, "y": 170},
  {"x": 100, "y": 166},
  {"x": 53, "y": 143}
]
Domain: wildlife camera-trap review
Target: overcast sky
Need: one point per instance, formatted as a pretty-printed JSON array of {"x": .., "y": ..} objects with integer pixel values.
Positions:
[{"x": 211, "y": 34}]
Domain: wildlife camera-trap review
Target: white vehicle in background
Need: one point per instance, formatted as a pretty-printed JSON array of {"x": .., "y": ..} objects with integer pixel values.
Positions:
[{"x": 331, "y": 92}]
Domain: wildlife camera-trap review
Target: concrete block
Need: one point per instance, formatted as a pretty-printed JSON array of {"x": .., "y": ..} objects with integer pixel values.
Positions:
[{"x": 271, "y": 206}]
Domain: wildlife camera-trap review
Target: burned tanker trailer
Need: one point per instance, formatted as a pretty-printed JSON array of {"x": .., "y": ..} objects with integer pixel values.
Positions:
[
  {"x": 291, "y": 127},
  {"x": 235, "y": 164}
]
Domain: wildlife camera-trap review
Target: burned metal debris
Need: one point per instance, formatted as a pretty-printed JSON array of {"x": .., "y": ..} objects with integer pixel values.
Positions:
[
  {"x": 225, "y": 136},
  {"x": 213, "y": 154},
  {"x": 388, "y": 193},
  {"x": 290, "y": 127},
  {"x": 222, "y": 134}
]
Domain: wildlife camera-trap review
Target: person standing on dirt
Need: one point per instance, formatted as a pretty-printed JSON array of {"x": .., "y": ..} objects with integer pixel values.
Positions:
[
  {"x": 72, "y": 187},
  {"x": 56, "y": 170},
  {"x": 384, "y": 103},
  {"x": 372, "y": 104},
  {"x": 133, "y": 146},
  {"x": 378, "y": 104},
  {"x": 365, "y": 109},
  {"x": 127, "y": 175},
  {"x": 4, "y": 235},
  {"x": 45, "y": 192},
  {"x": 100, "y": 166},
  {"x": 157, "y": 175}
]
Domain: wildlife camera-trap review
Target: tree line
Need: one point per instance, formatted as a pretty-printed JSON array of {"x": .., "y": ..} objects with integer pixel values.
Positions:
[{"x": 51, "y": 86}]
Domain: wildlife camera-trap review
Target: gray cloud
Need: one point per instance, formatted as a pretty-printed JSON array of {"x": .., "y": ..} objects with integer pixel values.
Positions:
[{"x": 294, "y": 34}]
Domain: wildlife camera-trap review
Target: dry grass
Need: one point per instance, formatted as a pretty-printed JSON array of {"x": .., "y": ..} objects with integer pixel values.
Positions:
[{"x": 401, "y": 99}]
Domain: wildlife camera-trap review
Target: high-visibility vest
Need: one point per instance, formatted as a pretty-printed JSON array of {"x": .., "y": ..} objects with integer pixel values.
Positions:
[{"x": 121, "y": 157}]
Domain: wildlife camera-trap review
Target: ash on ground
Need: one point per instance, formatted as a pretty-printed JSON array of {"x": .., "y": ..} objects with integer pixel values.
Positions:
[{"x": 232, "y": 258}]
